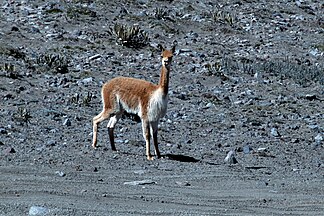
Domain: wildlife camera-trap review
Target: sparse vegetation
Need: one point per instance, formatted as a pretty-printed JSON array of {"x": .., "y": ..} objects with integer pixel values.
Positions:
[
  {"x": 22, "y": 115},
  {"x": 75, "y": 99},
  {"x": 77, "y": 10},
  {"x": 215, "y": 69},
  {"x": 87, "y": 99},
  {"x": 320, "y": 47},
  {"x": 223, "y": 17},
  {"x": 162, "y": 14},
  {"x": 9, "y": 71},
  {"x": 302, "y": 74},
  {"x": 132, "y": 36},
  {"x": 8, "y": 50},
  {"x": 54, "y": 10},
  {"x": 54, "y": 62}
]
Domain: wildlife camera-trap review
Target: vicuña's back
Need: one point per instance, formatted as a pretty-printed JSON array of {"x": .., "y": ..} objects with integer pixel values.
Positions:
[{"x": 128, "y": 95}]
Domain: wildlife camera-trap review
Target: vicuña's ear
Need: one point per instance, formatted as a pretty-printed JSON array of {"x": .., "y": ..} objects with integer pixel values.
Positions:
[
  {"x": 160, "y": 47},
  {"x": 173, "y": 48},
  {"x": 175, "y": 43}
]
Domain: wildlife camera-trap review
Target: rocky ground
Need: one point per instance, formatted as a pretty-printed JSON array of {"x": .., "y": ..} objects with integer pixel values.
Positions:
[{"x": 247, "y": 80}]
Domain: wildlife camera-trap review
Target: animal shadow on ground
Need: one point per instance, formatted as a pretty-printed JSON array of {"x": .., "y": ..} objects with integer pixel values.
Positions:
[{"x": 181, "y": 158}]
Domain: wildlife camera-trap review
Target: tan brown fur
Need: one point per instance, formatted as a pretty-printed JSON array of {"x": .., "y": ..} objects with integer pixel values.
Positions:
[
  {"x": 134, "y": 91},
  {"x": 148, "y": 100}
]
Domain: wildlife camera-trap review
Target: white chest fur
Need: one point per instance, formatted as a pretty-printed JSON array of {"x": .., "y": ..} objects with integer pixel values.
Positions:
[{"x": 157, "y": 105}]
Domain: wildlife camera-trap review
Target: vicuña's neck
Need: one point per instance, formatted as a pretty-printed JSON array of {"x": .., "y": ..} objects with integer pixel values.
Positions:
[{"x": 164, "y": 79}]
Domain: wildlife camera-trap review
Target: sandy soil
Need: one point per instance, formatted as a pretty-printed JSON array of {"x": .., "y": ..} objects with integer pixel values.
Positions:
[{"x": 248, "y": 77}]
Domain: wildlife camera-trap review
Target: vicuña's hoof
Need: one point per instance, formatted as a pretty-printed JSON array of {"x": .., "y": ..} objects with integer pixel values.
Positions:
[{"x": 150, "y": 158}]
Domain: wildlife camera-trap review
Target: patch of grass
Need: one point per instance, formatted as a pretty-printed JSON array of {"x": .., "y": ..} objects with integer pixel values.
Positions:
[
  {"x": 223, "y": 17},
  {"x": 170, "y": 29},
  {"x": 213, "y": 68},
  {"x": 85, "y": 101},
  {"x": 8, "y": 50},
  {"x": 77, "y": 10},
  {"x": 302, "y": 74},
  {"x": 162, "y": 14},
  {"x": 9, "y": 71},
  {"x": 54, "y": 11},
  {"x": 320, "y": 47},
  {"x": 51, "y": 62},
  {"x": 22, "y": 115},
  {"x": 130, "y": 36},
  {"x": 216, "y": 69},
  {"x": 85, "y": 74},
  {"x": 77, "y": 48},
  {"x": 75, "y": 98}
]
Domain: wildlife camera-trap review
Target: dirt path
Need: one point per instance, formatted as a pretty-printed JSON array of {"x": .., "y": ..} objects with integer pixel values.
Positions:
[{"x": 189, "y": 189}]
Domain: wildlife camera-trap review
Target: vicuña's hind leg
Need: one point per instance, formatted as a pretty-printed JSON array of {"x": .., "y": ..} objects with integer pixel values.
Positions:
[{"x": 96, "y": 120}]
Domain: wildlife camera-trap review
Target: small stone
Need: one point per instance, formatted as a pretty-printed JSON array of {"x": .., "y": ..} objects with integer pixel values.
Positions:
[
  {"x": 185, "y": 183},
  {"x": 67, "y": 122},
  {"x": 274, "y": 132},
  {"x": 140, "y": 172},
  {"x": 261, "y": 149},
  {"x": 60, "y": 173},
  {"x": 142, "y": 182},
  {"x": 41, "y": 148},
  {"x": 310, "y": 97},
  {"x": 39, "y": 211},
  {"x": 209, "y": 105},
  {"x": 314, "y": 52},
  {"x": 318, "y": 138},
  {"x": 3, "y": 131},
  {"x": 256, "y": 75},
  {"x": 94, "y": 57},
  {"x": 9, "y": 150},
  {"x": 85, "y": 81},
  {"x": 51, "y": 143},
  {"x": 313, "y": 126},
  {"x": 184, "y": 51},
  {"x": 14, "y": 28},
  {"x": 230, "y": 158},
  {"x": 246, "y": 149}
]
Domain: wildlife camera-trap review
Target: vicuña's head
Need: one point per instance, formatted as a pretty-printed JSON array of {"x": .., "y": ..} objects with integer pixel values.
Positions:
[{"x": 167, "y": 55}]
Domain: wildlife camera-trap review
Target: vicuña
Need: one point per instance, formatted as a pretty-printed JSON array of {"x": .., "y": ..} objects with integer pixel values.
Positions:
[{"x": 123, "y": 95}]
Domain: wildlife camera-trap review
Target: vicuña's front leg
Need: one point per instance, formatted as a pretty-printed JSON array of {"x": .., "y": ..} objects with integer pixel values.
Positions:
[
  {"x": 111, "y": 139},
  {"x": 111, "y": 125},
  {"x": 154, "y": 128},
  {"x": 147, "y": 137}
]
